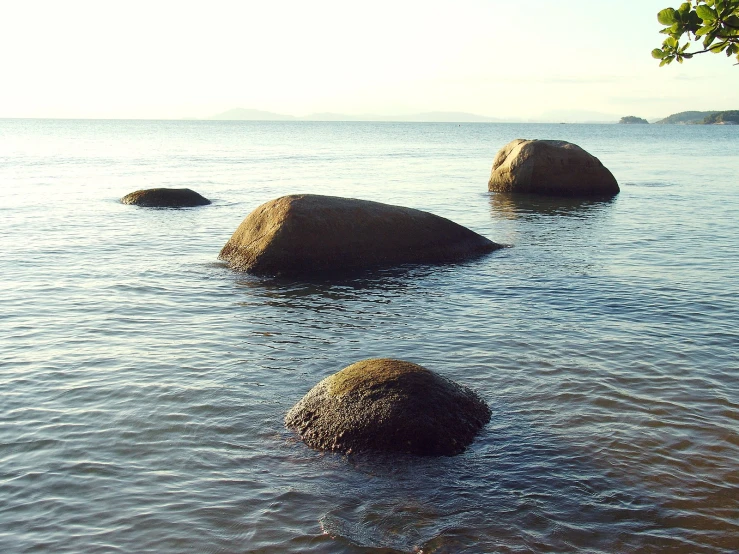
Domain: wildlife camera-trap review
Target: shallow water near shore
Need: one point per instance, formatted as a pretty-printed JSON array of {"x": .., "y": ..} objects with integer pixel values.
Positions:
[{"x": 144, "y": 384}]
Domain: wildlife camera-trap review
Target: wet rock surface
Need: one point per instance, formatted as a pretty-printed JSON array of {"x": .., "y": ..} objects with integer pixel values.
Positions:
[
  {"x": 165, "y": 198},
  {"x": 389, "y": 405},
  {"x": 551, "y": 167},
  {"x": 313, "y": 234}
]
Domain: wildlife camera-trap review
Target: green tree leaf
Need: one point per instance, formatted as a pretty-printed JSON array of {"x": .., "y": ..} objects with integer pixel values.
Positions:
[
  {"x": 710, "y": 37},
  {"x": 667, "y": 16},
  {"x": 706, "y": 13}
]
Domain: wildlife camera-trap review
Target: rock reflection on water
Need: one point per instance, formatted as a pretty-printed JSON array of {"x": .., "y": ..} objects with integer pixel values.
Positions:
[{"x": 526, "y": 206}]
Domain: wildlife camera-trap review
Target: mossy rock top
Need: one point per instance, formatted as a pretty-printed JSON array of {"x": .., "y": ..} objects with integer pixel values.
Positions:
[
  {"x": 165, "y": 198},
  {"x": 388, "y": 405}
]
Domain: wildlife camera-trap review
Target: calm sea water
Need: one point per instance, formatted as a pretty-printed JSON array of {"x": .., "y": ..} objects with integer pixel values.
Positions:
[{"x": 143, "y": 384}]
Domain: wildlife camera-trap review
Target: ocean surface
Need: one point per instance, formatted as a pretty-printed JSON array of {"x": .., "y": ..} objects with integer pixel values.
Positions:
[{"x": 143, "y": 384}]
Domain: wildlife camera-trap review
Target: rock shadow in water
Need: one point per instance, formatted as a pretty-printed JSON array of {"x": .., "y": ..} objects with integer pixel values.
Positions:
[{"x": 318, "y": 294}]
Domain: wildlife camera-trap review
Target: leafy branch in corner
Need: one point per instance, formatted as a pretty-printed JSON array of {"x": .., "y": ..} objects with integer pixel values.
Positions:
[{"x": 714, "y": 22}]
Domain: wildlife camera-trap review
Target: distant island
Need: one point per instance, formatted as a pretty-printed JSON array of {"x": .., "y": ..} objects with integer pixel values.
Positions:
[
  {"x": 729, "y": 117},
  {"x": 633, "y": 120}
]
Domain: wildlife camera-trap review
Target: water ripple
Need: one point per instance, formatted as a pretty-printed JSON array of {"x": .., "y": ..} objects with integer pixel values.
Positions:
[{"x": 144, "y": 384}]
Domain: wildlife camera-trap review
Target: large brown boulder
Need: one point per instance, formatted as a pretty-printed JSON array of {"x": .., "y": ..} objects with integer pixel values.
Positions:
[
  {"x": 552, "y": 167},
  {"x": 311, "y": 234},
  {"x": 388, "y": 406},
  {"x": 165, "y": 198}
]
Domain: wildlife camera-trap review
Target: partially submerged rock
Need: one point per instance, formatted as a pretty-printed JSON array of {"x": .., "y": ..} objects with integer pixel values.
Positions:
[
  {"x": 312, "y": 234},
  {"x": 165, "y": 198},
  {"x": 553, "y": 167},
  {"x": 389, "y": 406}
]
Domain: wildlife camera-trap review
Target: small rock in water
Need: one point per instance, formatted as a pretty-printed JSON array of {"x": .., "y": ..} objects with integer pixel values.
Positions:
[
  {"x": 389, "y": 405},
  {"x": 165, "y": 198},
  {"x": 551, "y": 167}
]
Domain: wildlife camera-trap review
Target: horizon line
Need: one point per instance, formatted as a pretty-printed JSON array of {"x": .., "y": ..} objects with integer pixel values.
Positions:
[{"x": 301, "y": 120}]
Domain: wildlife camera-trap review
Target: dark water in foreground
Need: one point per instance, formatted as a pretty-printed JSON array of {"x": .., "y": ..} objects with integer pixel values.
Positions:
[{"x": 143, "y": 385}]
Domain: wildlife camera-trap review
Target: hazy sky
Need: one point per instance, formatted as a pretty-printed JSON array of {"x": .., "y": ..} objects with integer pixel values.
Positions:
[{"x": 500, "y": 58}]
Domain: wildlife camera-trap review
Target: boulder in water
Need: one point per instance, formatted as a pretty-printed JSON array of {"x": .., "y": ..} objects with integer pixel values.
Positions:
[
  {"x": 552, "y": 167},
  {"x": 387, "y": 405},
  {"x": 312, "y": 234},
  {"x": 165, "y": 198}
]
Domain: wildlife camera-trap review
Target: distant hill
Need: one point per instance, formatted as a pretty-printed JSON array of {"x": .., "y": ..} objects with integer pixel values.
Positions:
[
  {"x": 329, "y": 116},
  {"x": 241, "y": 114},
  {"x": 633, "y": 120},
  {"x": 685, "y": 118},
  {"x": 730, "y": 117},
  {"x": 449, "y": 117}
]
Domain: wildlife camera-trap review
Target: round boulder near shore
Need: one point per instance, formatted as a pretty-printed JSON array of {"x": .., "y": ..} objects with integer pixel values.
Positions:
[
  {"x": 551, "y": 167},
  {"x": 165, "y": 198},
  {"x": 308, "y": 234},
  {"x": 386, "y": 405}
]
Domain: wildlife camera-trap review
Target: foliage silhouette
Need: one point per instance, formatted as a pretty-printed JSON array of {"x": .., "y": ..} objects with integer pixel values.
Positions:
[{"x": 713, "y": 22}]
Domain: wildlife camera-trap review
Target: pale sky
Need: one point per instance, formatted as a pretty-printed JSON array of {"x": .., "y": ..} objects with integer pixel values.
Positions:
[{"x": 498, "y": 58}]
